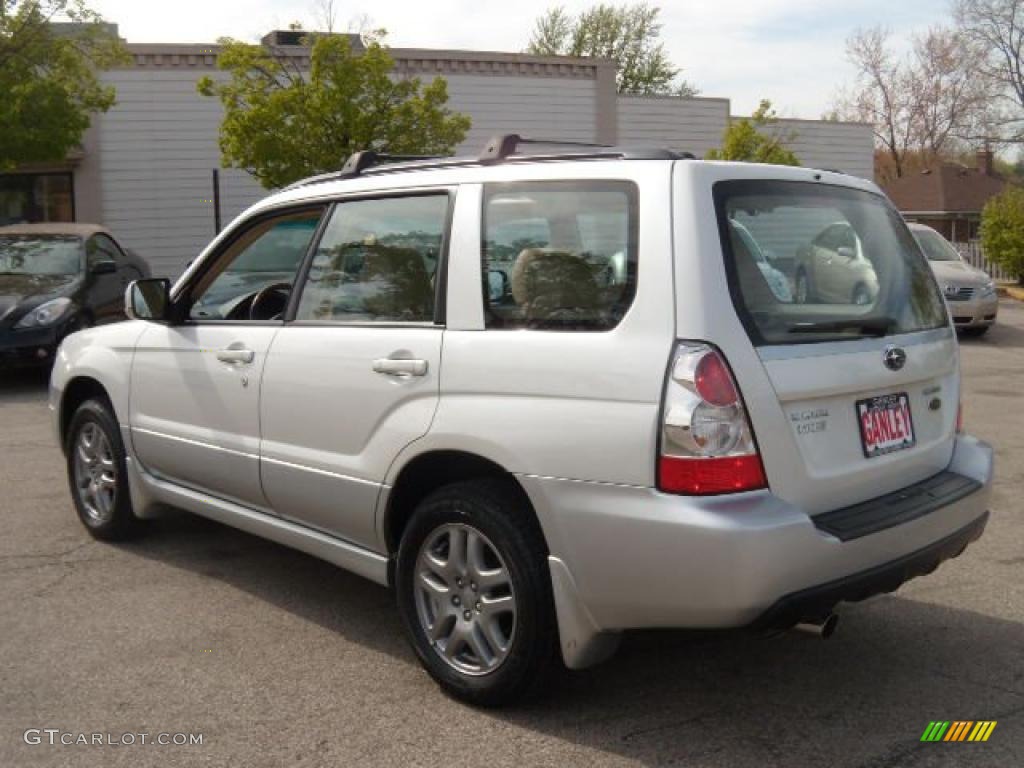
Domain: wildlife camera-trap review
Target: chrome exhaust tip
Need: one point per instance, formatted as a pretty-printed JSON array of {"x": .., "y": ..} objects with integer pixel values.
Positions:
[{"x": 823, "y": 626}]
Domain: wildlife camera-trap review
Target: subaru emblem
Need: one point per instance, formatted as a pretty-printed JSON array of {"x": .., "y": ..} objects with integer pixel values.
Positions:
[{"x": 894, "y": 357}]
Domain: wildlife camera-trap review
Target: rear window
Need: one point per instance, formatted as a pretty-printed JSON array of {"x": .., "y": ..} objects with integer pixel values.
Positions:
[{"x": 809, "y": 262}]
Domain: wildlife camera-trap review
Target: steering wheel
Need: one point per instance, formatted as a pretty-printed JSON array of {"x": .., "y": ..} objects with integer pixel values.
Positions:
[{"x": 270, "y": 302}]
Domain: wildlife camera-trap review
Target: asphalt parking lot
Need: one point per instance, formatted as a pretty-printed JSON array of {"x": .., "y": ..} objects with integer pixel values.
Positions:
[{"x": 278, "y": 659}]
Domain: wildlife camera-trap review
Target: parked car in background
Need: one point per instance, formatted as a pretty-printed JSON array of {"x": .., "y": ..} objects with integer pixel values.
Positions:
[
  {"x": 55, "y": 279},
  {"x": 630, "y": 431},
  {"x": 970, "y": 292},
  {"x": 832, "y": 268}
]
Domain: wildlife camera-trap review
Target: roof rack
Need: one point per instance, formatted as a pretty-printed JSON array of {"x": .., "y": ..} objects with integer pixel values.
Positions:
[
  {"x": 505, "y": 147},
  {"x": 500, "y": 148},
  {"x": 360, "y": 161}
]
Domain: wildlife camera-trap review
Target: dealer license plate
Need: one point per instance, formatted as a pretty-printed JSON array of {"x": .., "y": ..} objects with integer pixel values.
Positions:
[{"x": 885, "y": 424}]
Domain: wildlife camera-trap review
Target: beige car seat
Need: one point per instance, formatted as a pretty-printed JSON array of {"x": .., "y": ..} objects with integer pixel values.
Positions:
[{"x": 554, "y": 286}]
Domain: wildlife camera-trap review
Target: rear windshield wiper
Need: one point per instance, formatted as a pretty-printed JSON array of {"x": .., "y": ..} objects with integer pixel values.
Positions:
[{"x": 868, "y": 326}]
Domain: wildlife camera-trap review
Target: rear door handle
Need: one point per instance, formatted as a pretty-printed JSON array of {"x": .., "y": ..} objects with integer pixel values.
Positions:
[
  {"x": 400, "y": 367},
  {"x": 236, "y": 356}
]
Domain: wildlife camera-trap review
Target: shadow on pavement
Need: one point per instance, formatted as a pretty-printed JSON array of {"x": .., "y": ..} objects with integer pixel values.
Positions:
[
  {"x": 862, "y": 698},
  {"x": 24, "y": 384},
  {"x": 1006, "y": 332}
]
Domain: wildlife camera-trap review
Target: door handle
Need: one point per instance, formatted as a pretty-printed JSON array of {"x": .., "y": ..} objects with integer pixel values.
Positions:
[
  {"x": 236, "y": 356},
  {"x": 400, "y": 367}
]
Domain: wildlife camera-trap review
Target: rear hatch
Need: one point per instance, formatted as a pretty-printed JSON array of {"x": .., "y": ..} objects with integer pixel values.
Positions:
[{"x": 860, "y": 359}]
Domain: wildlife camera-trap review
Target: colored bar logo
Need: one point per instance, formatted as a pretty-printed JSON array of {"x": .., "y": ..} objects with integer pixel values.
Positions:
[{"x": 958, "y": 730}]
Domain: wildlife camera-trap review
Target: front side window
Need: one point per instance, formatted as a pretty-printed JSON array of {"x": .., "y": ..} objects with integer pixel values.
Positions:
[
  {"x": 377, "y": 262},
  {"x": 252, "y": 279},
  {"x": 40, "y": 255},
  {"x": 100, "y": 249},
  {"x": 840, "y": 263},
  {"x": 559, "y": 255}
]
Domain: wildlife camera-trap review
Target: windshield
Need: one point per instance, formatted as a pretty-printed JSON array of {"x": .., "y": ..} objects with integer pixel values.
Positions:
[
  {"x": 935, "y": 246},
  {"x": 40, "y": 255},
  {"x": 852, "y": 267}
]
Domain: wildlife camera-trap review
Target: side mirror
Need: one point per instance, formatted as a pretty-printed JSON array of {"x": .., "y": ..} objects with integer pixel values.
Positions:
[
  {"x": 106, "y": 267},
  {"x": 846, "y": 251},
  {"x": 148, "y": 299}
]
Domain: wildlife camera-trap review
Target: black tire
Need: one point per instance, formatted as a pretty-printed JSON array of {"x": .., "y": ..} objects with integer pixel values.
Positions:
[
  {"x": 861, "y": 296},
  {"x": 496, "y": 508},
  {"x": 976, "y": 332},
  {"x": 117, "y": 521},
  {"x": 807, "y": 295}
]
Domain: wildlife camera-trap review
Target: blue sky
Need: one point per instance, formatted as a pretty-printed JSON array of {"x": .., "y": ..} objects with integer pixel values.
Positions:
[{"x": 791, "y": 51}]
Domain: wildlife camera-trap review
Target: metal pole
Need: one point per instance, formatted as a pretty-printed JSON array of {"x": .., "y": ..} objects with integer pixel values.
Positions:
[{"x": 216, "y": 201}]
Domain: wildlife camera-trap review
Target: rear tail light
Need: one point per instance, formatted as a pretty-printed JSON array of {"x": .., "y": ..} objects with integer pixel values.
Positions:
[{"x": 707, "y": 445}]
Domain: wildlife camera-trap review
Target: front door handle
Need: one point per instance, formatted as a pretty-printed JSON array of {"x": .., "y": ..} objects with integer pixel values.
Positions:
[
  {"x": 236, "y": 356},
  {"x": 400, "y": 367}
]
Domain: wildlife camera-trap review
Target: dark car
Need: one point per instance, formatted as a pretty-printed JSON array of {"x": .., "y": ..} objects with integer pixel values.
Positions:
[{"x": 55, "y": 279}]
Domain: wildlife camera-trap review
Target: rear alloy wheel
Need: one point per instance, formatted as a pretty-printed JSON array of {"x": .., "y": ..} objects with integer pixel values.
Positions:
[
  {"x": 464, "y": 599},
  {"x": 97, "y": 474},
  {"x": 474, "y": 592}
]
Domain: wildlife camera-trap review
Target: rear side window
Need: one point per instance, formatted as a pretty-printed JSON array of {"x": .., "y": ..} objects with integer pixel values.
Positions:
[
  {"x": 559, "y": 256},
  {"x": 812, "y": 262},
  {"x": 377, "y": 262}
]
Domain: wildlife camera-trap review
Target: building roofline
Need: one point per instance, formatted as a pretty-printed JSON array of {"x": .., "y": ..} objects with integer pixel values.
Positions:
[
  {"x": 816, "y": 121},
  {"x": 673, "y": 97},
  {"x": 407, "y": 60}
]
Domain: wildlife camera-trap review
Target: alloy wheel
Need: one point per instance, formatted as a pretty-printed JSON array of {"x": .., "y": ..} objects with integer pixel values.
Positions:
[
  {"x": 464, "y": 599},
  {"x": 95, "y": 473}
]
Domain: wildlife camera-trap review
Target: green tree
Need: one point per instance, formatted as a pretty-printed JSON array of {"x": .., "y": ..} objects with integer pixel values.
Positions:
[
  {"x": 48, "y": 77},
  {"x": 1002, "y": 230},
  {"x": 754, "y": 140},
  {"x": 630, "y": 35},
  {"x": 283, "y": 123}
]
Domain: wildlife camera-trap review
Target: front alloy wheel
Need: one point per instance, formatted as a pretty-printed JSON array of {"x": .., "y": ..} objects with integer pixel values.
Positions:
[{"x": 97, "y": 473}]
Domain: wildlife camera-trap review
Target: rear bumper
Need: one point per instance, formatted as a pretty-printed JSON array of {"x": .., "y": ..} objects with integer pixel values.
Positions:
[
  {"x": 975, "y": 313},
  {"x": 627, "y": 557},
  {"x": 818, "y": 601}
]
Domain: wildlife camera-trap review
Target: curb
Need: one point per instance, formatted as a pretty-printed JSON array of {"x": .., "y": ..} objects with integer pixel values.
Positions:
[{"x": 1011, "y": 291}]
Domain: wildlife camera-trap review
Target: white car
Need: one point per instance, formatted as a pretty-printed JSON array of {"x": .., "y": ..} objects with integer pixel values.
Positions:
[
  {"x": 970, "y": 292},
  {"x": 627, "y": 429}
]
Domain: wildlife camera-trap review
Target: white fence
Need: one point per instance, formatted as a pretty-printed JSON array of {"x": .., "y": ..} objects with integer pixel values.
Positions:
[{"x": 974, "y": 256}]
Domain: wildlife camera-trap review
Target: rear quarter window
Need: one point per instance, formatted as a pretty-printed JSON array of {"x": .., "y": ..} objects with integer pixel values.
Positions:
[{"x": 559, "y": 255}]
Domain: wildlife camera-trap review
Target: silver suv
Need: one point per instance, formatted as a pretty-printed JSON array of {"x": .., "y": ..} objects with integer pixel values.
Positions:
[{"x": 547, "y": 397}]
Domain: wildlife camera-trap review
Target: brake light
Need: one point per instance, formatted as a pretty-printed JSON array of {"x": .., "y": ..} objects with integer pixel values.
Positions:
[
  {"x": 713, "y": 381},
  {"x": 707, "y": 445}
]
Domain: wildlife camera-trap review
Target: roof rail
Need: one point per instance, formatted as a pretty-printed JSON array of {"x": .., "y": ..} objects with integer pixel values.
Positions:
[
  {"x": 500, "y": 148},
  {"x": 505, "y": 146},
  {"x": 359, "y": 161}
]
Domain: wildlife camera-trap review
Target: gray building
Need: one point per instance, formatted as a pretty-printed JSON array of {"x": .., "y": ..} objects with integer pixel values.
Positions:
[{"x": 145, "y": 167}]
